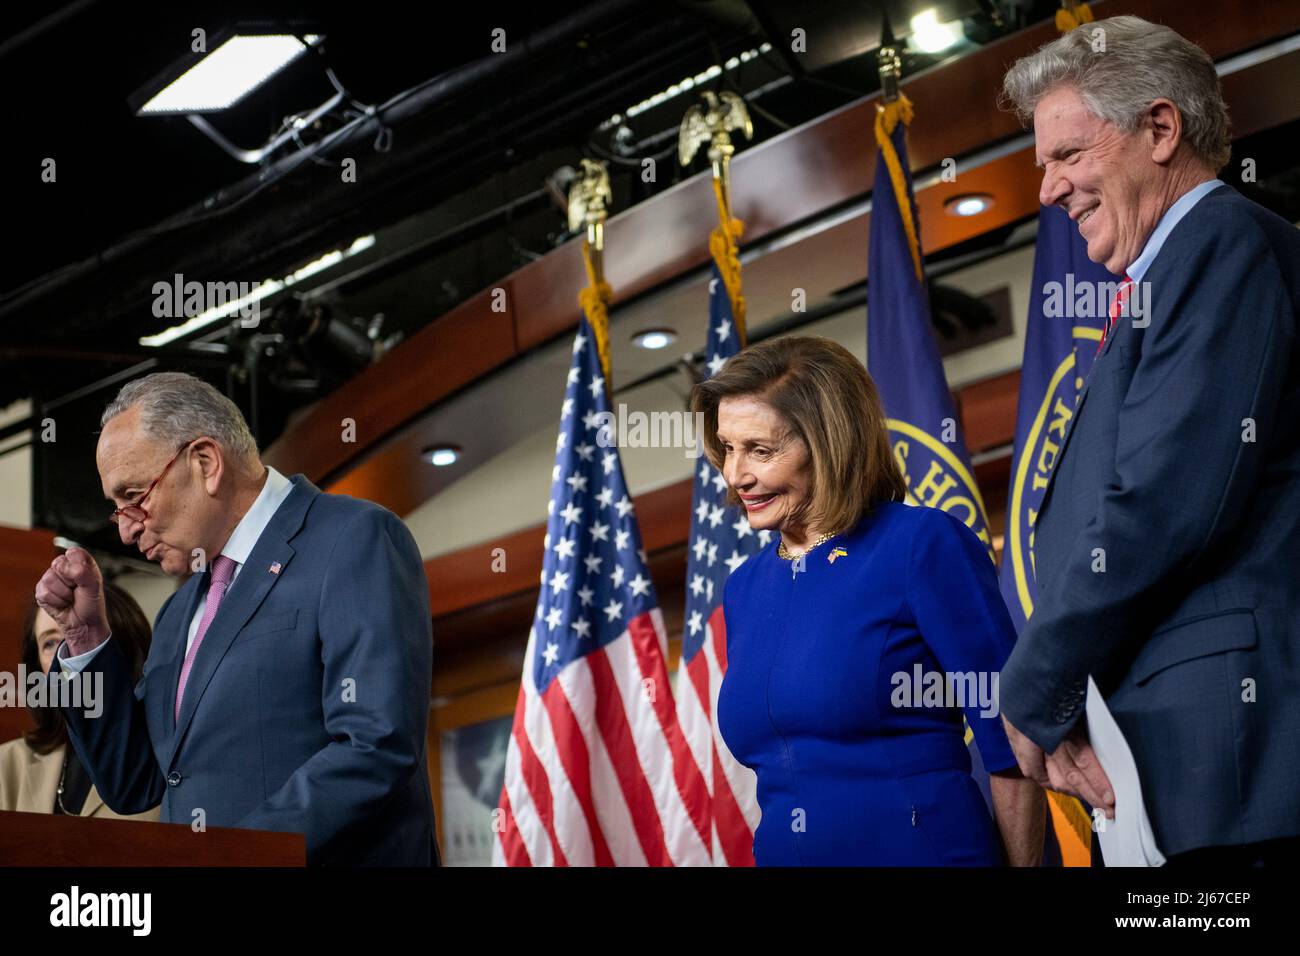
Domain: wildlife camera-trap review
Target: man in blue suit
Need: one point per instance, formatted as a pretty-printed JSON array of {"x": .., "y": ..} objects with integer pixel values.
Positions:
[
  {"x": 1167, "y": 546},
  {"x": 287, "y": 687}
]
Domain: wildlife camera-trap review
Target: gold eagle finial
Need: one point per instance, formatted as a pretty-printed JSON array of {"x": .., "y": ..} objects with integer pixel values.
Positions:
[
  {"x": 589, "y": 196},
  {"x": 713, "y": 121}
]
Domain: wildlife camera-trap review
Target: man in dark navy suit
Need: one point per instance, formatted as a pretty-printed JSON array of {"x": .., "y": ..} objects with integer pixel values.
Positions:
[
  {"x": 1167, "y": 547},
  {"x": 287, "y": 686}
]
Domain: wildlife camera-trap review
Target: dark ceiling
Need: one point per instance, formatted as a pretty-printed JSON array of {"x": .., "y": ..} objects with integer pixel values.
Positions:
[
  {"x": 451, "y": 175},
  {"x": 138, "y": 199}
]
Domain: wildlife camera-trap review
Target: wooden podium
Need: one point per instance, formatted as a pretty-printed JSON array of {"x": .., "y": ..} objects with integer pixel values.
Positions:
[{"x": 44, "y": 839}]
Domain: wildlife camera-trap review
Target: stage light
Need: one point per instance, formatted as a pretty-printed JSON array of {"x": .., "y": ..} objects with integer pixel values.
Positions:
[
  {"x": 931, "y": 36},
  {"x": 257, "y": 294},
  {"x": 442, "y": 455},
  {"x": 654, "y": 338},
  {"x": 971, "y": 204},
  {"x": 229, "y": 73},
  {"x": 685, "y": 85}
]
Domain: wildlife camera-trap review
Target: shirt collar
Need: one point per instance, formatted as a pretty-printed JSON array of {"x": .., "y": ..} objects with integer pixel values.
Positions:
[
  {"x": 1173, "y": 215},
  {"x": 274, "y": 490}
]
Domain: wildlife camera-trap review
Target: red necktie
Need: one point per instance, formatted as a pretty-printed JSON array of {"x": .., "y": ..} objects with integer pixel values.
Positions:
[{"x": 1116, "y": 309}]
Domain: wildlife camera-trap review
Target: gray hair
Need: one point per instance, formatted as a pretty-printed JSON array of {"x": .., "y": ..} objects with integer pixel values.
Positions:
[
  {"x": 176, "y": 408},
  {"x": 1120, "y": 71}
]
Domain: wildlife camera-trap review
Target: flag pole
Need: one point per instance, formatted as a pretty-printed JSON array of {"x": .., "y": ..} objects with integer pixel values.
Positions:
[
  {"x": 712, "y": 121},
  {"x": 589, "y": 200},
  {"x": 893, "y": 109}
]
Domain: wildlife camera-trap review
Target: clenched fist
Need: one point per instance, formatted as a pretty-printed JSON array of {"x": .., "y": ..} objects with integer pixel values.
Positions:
[{"x": 72, "y": 593}]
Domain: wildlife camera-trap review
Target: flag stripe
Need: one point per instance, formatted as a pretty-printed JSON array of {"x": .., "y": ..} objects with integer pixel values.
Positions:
[
  {"x": 620, "y": 743},
  {"x": 568, "y": 822},
  {"x": 690, "y": 783},
  {"x": 597, "y": 770},
  {"x": 721, "y": 540},
  {"x": 510, "y": 848},
  {"x": 683, "y": 843},
  {"x": 536, "y": 782},
  {"x": 571, "y": 749},
  {"x": 532, "y": 834}
]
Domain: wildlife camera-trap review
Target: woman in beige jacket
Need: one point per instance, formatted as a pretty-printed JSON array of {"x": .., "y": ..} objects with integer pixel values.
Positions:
[{"x": 40, "y": 772}]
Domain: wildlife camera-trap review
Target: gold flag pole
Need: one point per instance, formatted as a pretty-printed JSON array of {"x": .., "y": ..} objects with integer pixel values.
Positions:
[
  {"x": 589, "y": 201},
  {"x": 1073, "y": 13},
  {"x": 713, "y": 121},
  {"x": 893, "y": 109}
]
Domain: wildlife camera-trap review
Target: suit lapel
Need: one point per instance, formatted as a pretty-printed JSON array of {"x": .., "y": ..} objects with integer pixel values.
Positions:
[
  {"x": 197, "y": 584},
  {"x": 1121, "y": 326},
  {"x": 250, "y": 588},
  {"x": 1065, "y": 442}
]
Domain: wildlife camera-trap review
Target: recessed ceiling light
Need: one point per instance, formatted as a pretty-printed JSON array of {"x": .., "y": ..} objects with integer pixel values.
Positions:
[
  {"x": 654, "y": 338},
  {"x": 971, "y": 204},
  {"x": 442, "y": 455}
]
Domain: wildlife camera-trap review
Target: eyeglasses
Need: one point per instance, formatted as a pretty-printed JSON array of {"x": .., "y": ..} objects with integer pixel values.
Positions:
[{"x": 133, "y": 511}]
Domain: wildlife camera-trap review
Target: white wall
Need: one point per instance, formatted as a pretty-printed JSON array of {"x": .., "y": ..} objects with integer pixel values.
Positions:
[
  {"x": 509, "y": 492},
  {"x": 16, "y": 471}
]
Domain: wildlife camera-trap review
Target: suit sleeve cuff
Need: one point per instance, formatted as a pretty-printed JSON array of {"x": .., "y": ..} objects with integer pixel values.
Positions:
[{"x": 77, "y": 663}]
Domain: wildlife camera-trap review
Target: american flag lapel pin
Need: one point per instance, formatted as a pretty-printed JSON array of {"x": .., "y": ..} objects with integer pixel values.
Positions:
[
  {"x": 837, "y": 553},
  {"x": 275, "y": 567}
]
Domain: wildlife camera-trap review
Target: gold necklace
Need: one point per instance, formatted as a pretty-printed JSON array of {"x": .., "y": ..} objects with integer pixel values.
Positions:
[{"x": 787, "y": 556}]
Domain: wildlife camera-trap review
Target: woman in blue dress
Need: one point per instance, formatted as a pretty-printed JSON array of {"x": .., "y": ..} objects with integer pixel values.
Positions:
[{"x": 860, "y": 637}]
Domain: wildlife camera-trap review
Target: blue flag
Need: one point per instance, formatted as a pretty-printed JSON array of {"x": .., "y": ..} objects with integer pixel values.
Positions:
[
  {"x": 721, "y": 541},
  {"x": 1067, "y": 309},
  {"x": 903, "y": 358}
]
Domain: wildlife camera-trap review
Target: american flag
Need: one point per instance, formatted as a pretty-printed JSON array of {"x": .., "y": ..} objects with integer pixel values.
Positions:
[
  {"x": 720, "y": 541},
  {"x": 597, "y": 770}
]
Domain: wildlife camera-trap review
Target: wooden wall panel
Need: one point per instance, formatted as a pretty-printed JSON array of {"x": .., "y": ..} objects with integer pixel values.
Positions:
[{"x": 24, "y": 556}]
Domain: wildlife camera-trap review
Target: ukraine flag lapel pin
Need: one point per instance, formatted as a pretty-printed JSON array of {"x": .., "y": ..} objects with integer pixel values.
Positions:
[{"x": 837, "y": 553}]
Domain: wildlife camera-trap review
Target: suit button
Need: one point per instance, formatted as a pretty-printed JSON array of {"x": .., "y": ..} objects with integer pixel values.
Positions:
[{"x": 174, "y": 778}]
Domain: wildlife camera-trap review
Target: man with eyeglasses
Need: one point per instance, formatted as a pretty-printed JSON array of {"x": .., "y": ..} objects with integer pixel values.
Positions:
[{"x": 288, "y": 684}]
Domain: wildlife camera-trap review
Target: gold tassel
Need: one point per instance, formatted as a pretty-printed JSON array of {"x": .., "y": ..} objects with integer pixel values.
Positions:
[
  {"x": 1067, "y": 19},
  {"x": 595, "y": 301},
  {"x": 888, "y": 116},
  {"x": 724, "y": 247}
]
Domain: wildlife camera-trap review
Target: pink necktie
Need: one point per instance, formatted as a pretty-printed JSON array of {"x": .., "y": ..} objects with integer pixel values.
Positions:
[
  {"x": 1116, "y": 308},
  {"x": 222, "y": 570}
]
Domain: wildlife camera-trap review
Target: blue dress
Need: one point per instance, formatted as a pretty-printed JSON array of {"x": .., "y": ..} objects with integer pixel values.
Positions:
[{"x": 835, "y": 693}]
